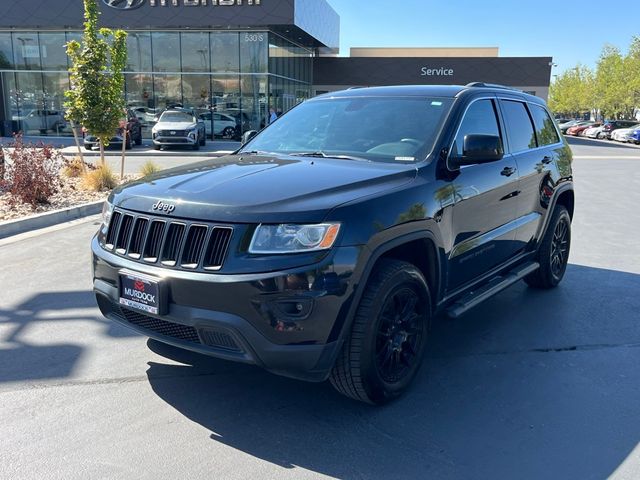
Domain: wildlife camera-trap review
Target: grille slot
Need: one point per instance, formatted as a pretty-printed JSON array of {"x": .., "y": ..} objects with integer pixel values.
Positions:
[
  {"x": 137, "y": 237},
  {"x": 175, "y": 244},
  {"x": 170, "y": 329},
  {"x": 217, "y": 248},
  {"x": 154, "y": 241},
  {"x": 172, "y": 244},
  {"x": 123, "y": 234},
  {"x": 219, "y": 339},
  {"x": 113, "y": 229},
  {"x": 193, "y": 246}
]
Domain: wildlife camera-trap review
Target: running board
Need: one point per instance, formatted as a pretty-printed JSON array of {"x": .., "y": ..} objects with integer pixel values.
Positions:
[{"x": 488, "y": 290}]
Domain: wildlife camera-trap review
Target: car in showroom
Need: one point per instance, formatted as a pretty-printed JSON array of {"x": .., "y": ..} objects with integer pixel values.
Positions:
[
  {"x": 219, "y": 125},
  {"x": 134, "y": 134},
  {"x": 324, "y": 247},
  {"x": 178, "y": 127},
  {"x": 41, "y": 121}
]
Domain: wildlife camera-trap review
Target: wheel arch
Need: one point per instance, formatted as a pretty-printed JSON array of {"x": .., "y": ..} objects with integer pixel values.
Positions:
[{"x": 399, "y": 248}]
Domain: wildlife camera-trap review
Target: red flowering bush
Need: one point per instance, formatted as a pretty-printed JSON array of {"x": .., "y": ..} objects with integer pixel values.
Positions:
[{"x": 32, "y": 172}]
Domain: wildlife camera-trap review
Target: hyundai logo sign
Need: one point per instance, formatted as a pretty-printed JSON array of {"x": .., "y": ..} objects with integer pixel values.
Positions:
[
  {"x": 124, "y": 4},
  {"x": 132, "y": 4}
]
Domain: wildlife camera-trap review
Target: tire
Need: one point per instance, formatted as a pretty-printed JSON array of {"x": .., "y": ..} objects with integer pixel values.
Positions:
[
  {"x": 196, "y": 146},
  {"x": 129, "y": 144},
  {"x": 139, "y": 138},
  {"x": 203, "y": 141},
  {"x": 364, "y": 369},
  {"x": 88, "y": 148},
  {"x": 157, "y": 147},
  {"x": 553, "y": 253}
]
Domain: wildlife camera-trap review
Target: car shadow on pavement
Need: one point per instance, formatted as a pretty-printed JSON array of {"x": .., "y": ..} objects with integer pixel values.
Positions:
[
  {"x": 20, "y": 359},
  {"x": 531, "y": 384}
]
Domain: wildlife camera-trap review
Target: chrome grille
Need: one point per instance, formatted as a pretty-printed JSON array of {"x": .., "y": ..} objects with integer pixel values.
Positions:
[{"x": 172, "y": 243}]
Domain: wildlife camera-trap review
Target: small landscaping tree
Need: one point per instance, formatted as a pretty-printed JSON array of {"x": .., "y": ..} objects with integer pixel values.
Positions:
[{"x": 96, "y": 97}]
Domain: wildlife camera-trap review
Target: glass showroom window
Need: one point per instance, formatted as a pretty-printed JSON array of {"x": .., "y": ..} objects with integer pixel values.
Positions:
[
  {"x": 52, "y": 51},
  {"x": 166, "y": 51},
  {"x": 30, "y": 99},
  {"x": 254, "y": 52},
  {"x": 6, "y": 52},
  {"x": 195, "y": 52},
  {"x": 139, "y": 94},
  {"x": 139, "y": 52},
  {"x": 9, "y": 90},
  {"x": 225, "y": 97},
  {"x": 254, "y": 102},
  {"x": 167, "y": 91},
  {"x": 225, "y": 52},
  {"x": 54, "y": 86},
  {"x": 26, "y": 53}
]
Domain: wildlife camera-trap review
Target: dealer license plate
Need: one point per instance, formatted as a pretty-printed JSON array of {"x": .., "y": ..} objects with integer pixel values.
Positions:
[{"x": 140, "y": 292}]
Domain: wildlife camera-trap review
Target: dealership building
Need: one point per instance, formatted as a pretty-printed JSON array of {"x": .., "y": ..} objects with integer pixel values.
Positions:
[{"x": 230, "y": 60}]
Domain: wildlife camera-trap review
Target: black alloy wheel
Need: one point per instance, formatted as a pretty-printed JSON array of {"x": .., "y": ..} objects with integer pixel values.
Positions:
[
  {"x": 399, "y": 334},
  {"x": 384, "y": 350},
  {"x": 560, "y": 248},
  {"x": 553, "y": 253}
]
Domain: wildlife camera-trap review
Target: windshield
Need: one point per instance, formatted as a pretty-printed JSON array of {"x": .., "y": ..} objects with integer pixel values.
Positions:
[
  {"x": 177, "y": 117},
  {"x": 384, "y": 129}
]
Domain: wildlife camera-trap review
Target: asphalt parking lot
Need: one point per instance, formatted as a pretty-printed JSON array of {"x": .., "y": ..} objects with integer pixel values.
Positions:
[{"x": 529, "y": 385}]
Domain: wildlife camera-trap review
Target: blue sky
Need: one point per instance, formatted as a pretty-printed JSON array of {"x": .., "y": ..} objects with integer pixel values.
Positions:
[{"x": 567, "y": 30}]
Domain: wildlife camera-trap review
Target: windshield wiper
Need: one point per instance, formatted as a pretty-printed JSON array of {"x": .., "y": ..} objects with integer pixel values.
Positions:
[{"x": 321, "y": 154}]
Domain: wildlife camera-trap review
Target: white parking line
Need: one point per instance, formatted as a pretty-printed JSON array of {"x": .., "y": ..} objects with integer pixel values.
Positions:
[{"x": 605, "y": 157}]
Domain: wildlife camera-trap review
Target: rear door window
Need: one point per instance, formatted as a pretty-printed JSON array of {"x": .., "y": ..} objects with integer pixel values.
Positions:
[
  {"x": 545, "y": 130},
  {"x": 519, "y": 127}
]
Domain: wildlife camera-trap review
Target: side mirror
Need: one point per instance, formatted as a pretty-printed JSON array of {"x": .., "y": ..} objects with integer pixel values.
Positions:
[
  {"x": 248, "y": 135},
  {"x": 480, "y": 149}
]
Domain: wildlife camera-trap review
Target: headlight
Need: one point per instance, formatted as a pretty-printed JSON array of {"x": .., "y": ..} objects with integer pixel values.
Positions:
[
  {"x": 107, "y": 210},
  {"x": 286, "y": 238}
]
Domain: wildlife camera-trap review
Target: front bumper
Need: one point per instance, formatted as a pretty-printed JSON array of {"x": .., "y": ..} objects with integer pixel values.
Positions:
[
  {"x": 276, "y": 320},
  {"x": 163, "y": 140}
]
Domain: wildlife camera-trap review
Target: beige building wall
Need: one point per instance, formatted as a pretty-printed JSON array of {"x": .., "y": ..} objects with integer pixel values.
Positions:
[{"x": 425, "y": 52}]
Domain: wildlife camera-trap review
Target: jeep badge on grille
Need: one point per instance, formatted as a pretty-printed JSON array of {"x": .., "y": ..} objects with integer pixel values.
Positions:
[{"x": 163, "y": 207}]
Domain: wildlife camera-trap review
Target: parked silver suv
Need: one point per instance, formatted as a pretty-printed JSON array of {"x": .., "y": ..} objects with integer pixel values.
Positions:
[{"x": 178, "y": 127}]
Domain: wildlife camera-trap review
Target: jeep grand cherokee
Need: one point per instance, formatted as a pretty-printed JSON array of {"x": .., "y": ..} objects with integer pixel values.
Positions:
[{"x": 323, "y": 247}]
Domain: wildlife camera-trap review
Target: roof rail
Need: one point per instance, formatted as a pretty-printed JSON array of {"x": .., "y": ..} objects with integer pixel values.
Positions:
[{"x": 491, "y": 85}]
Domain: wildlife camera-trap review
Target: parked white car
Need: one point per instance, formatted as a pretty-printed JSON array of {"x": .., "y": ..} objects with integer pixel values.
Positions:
[
  {"x": 223, "y": 125},
  {"x": 594, "y": 132},
  {"x": 623, "y": 134}
]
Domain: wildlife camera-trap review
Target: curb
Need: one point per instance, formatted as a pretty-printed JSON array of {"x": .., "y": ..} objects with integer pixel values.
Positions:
[
  {"x": 47, "y": 219},
  {"x": 152, "y": 153}
]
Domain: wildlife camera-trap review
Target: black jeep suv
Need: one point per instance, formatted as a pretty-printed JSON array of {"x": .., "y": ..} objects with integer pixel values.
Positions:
[{"x": 323, "y": 247}]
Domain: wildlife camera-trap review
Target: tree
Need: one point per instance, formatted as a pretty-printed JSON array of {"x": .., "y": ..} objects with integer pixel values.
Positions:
[
  {"x": 572, "y": 91},
  {"x": 96, "y": 97}
]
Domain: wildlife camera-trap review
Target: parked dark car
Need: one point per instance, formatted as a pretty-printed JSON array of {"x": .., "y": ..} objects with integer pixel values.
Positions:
[
  {"x": 611, "y": 125},
  {"x": 324, "y": 247},
  {"x": 134, "y": 134}
]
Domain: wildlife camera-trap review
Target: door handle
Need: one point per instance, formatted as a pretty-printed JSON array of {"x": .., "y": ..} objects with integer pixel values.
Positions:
[
  {"x": 547, "y": 160},
  {"x": 508, "y": 171}
]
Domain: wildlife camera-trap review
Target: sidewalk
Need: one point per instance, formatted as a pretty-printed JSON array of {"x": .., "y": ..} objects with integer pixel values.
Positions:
[{"x": 68, "y": 147}]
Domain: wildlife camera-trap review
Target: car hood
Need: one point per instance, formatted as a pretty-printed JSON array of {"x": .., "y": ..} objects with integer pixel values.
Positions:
[
  {"x": 174, "y": 125},
  {"x": 262, "y": 189}
]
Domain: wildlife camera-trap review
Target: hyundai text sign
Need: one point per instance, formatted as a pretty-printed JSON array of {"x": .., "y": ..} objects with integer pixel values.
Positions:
[
  {"x": 133, "y": 4},
  {"x": 436, "y": 72}
]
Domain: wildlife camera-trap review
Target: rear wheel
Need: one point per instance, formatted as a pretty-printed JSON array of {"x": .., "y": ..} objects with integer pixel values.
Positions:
[
  {"x": 382, "y": 355},
  {"x": 228, "y": 132},
  {"x": 196, "y": 146},
  {"x": 553, "y": 254}
]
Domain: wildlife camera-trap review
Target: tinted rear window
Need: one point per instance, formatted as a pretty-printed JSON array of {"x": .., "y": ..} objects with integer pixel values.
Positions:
[
  {"x": 519, "y": 127},
  {"x": 545, "y": 130}
]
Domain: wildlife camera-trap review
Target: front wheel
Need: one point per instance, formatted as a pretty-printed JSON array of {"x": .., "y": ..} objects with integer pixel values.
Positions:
[
  {"x": 553, "y": 253},
  {"x": 382, "y": 355}
]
